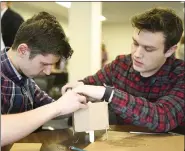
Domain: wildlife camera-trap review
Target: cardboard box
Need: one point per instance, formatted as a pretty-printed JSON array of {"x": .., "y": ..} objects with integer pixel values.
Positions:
[{"x": 95, "y": 117}]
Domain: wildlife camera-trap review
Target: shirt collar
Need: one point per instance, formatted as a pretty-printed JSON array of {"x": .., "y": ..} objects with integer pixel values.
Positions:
[
  {"x": 9, "y": 70},
  {"x": 3, "y": 11}
]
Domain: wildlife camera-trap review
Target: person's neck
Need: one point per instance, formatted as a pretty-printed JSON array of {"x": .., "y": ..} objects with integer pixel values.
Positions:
[
  {"x": 12, "y": 55},
  {"x": 3, "y": 10},
  {"x": 152, "y": 72}
]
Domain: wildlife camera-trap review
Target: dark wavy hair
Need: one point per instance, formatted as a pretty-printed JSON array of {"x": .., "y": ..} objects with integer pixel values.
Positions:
[
  {"x": 160, "y": 20},
  {"x": 44, "y": 35}
]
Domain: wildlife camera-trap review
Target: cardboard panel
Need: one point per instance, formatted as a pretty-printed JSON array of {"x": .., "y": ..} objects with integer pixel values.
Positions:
[
  {"x": 95, "y": 117},
  {"x": 26, "y": 147}
]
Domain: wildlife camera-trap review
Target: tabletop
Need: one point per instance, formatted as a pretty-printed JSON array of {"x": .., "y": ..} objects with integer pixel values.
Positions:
[{"x": 64, "y": 138}]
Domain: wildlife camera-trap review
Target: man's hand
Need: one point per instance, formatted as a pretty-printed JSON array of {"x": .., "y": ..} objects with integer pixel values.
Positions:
[
  {"x": 70, "y": 102},
  {"x": 91, "y": 91},
  {"x": 70, "y": 86}
]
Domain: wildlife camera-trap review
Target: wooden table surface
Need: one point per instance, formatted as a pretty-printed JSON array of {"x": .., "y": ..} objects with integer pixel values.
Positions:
[{"x": 65, "y": 137}]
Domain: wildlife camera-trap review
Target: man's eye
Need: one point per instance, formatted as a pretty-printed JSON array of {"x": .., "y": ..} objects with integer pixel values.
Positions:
[
  {"x": 149, "y": 50},
  {"x": 43, "y": 64},
  {"x": 136, "y": 44}
]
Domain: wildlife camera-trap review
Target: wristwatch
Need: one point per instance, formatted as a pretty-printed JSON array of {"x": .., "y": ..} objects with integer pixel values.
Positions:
[{"x": 108, "y": 94}]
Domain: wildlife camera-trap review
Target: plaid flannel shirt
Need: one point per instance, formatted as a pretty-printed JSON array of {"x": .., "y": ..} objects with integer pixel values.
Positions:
[
  {"x": 18, "y": 93},
  {"x": 156, "y": 102}
]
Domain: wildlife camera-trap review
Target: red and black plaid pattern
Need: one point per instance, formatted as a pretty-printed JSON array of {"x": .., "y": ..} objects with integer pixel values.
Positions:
[
  {"x": 18, "y": 94},
  {"x": 156, "y": 102}
]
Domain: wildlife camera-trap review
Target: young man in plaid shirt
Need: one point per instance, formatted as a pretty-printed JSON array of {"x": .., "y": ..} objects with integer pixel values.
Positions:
[
  {"x": 39, "y": 43},
  {"x": 147, "y": 86}
]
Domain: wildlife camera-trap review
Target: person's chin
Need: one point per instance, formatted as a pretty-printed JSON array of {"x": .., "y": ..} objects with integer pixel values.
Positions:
[
  {"x": 32, "y": 76},
  {"x": 138, "y": 69}
]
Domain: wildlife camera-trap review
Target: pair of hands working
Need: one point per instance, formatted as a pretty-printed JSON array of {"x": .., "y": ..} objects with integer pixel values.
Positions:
[
  {"x": 72, "y": 100},
  {"x": 76, "y": 95}
]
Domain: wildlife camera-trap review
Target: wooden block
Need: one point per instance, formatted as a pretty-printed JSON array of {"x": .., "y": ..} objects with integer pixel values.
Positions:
[
  {"x": 26, "y": 147},
  {"x": 95, "y": 117}
]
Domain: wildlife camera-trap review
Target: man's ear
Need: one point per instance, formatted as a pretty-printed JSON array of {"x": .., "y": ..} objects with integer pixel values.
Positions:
[
  {"x": 23, "y": 50},
  {"x": 170, "y": 51}
]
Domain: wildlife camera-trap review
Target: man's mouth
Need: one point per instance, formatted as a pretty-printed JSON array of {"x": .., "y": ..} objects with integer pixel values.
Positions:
[{"x": 138, "y": 63}]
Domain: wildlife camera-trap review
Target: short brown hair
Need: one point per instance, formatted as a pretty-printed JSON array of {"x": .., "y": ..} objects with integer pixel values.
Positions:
[
  {"x": 160, "y": 20},
  {"x": 44, "y": 35}
]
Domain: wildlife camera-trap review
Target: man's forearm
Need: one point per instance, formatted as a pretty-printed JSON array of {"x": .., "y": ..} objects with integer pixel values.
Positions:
[
  {"x": 95, "y": 92},
  {"x": 17, "y": 126}
]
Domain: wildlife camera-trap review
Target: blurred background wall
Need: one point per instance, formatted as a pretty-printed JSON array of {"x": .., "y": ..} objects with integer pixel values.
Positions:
[{"x": 116, "y": 29}]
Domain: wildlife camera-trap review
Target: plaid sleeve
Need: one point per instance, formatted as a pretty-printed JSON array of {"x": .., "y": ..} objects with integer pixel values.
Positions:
[
  {"x": 105, "y": 75},
  {"x": 163, "y": 115},
  {"x": 40, "y": 97},
  {"x": 7, "y": 89}
]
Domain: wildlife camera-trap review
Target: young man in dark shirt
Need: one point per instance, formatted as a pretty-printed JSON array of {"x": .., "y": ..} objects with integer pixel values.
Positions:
[{"x": 147, "y": 86}]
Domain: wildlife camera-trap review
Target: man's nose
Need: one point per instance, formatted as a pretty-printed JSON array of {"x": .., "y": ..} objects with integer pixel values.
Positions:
[
  {"x": 47, "y": 70},
  {"x": 139, "y": 52}
]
